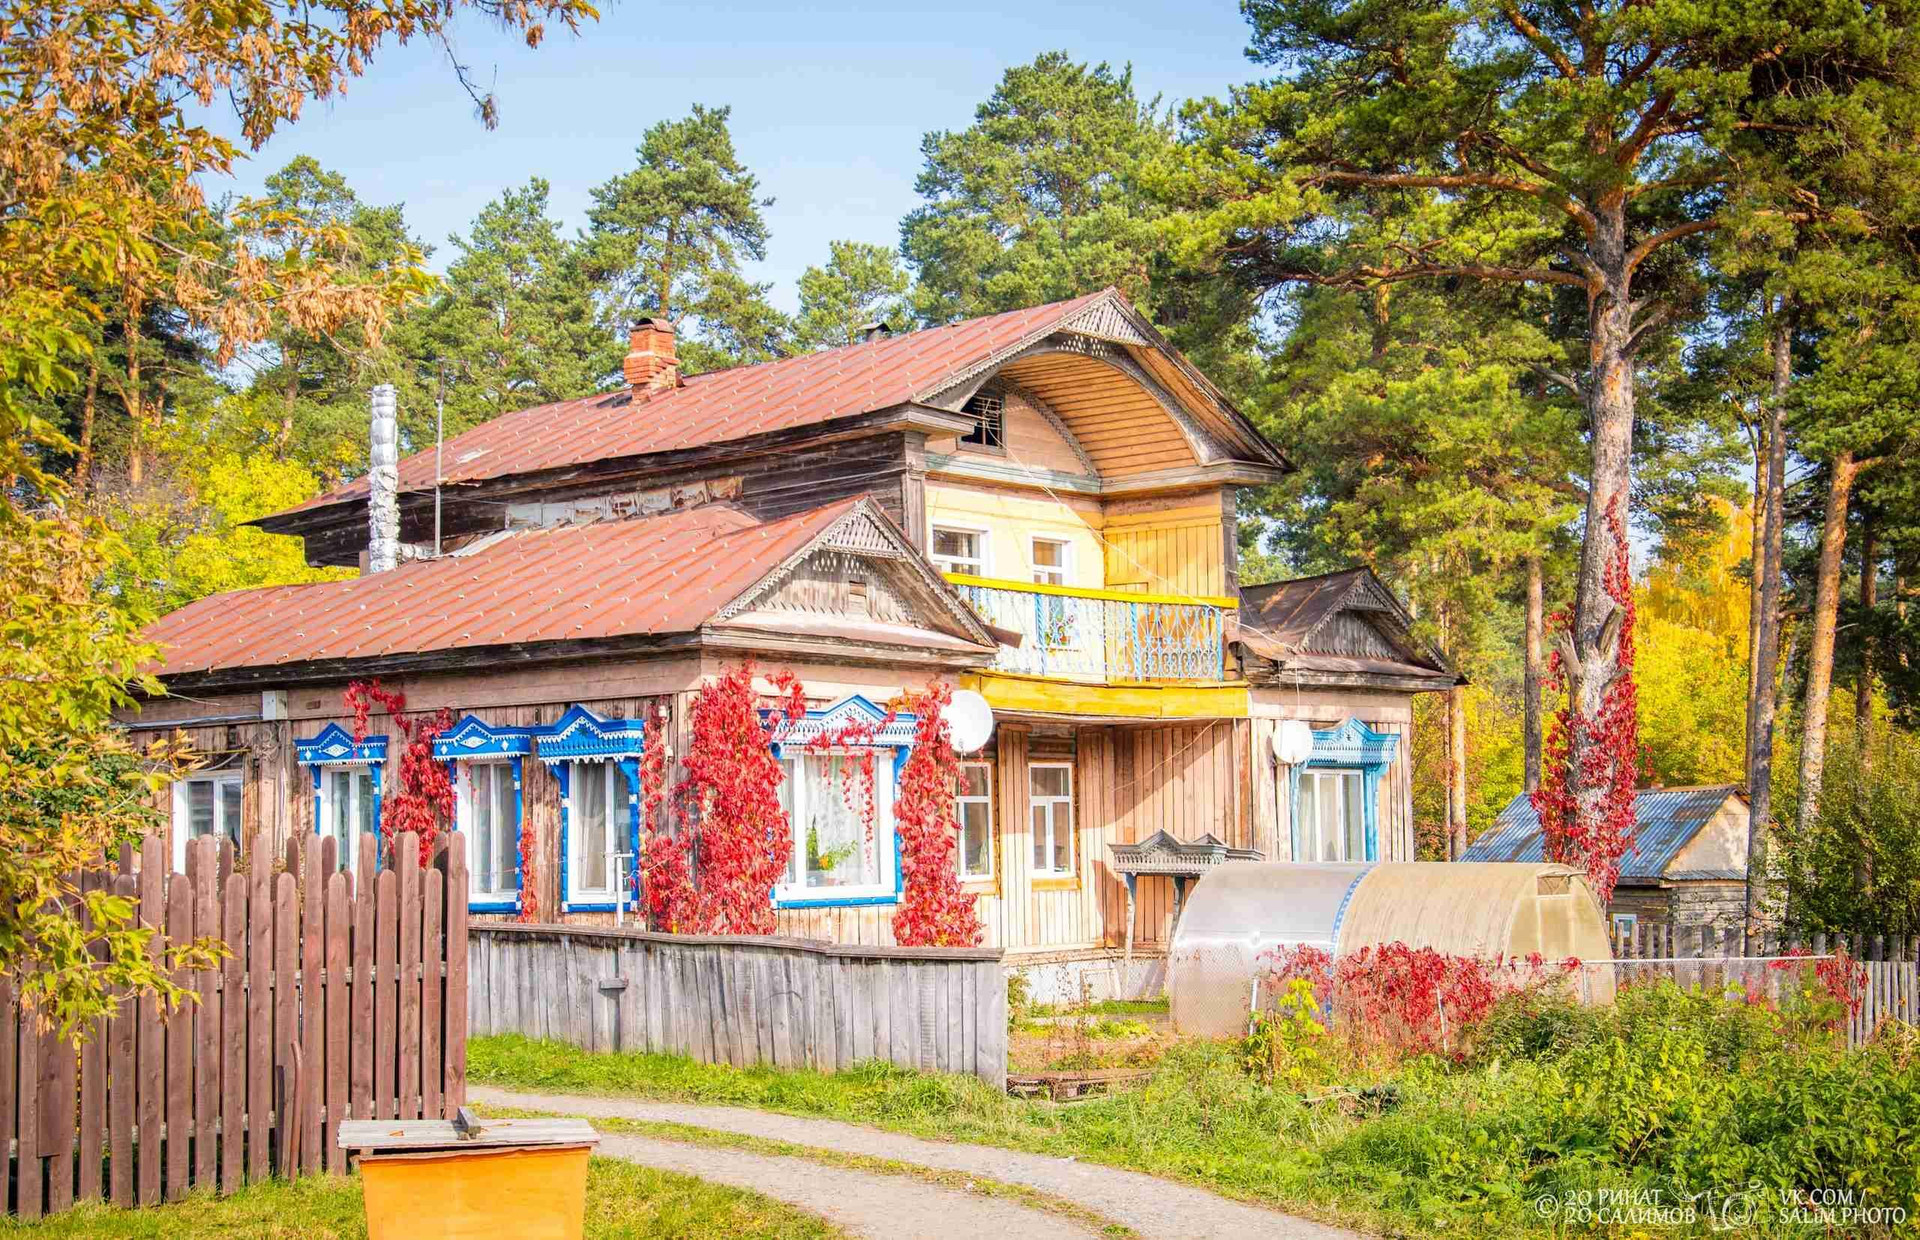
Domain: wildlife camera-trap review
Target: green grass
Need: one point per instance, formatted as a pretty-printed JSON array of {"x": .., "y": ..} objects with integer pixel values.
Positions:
[
  {"x": 624, "y": 1202},
  {"x": 1195, "y": 1120},
  {"x": 958, "y": 1181},
  {"x": 1104, "y": 1007}
]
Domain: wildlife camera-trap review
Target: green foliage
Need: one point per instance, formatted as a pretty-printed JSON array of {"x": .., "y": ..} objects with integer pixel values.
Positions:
[
  {"x": 667, "y": 238},
  {"x": 1284, "y": 1044},
  {"x": 1856, "y": 867},
  {"x": 1042, "y": 198},
  {"x": 860, "y": 284}
]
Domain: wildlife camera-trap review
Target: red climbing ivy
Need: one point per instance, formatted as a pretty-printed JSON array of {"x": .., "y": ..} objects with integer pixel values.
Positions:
[
  {"x": 734, "y": 839},
  {"x": 933, "y": 910},
  {"x": 421, "y": 795},
  {"x": 1594, "y": 837},
  {"x": 663, "y": 878}
]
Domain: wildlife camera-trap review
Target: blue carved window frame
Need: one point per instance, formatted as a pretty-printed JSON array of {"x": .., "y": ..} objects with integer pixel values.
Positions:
[
  {"x": 897, "y": 735},
  {"x": 335, "y": 746},
  {"x": 1349, "y": 746},
  {"x": 582, "y": 736},
  {"x": 474, "y": 738}
]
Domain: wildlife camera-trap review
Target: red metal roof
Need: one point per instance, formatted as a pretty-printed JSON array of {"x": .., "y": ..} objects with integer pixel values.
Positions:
[
  {"x": 664, "y": 574},
  {"x": 720, "y": 406}
]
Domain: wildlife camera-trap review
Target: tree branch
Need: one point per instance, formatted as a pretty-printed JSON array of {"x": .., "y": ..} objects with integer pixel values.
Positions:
[
  {"x": 1472, "y": 180},
  {"x": 1640, "y": 252},
  {"x": 1564, "y": 380},
  {"x": 1661, "y": 313},
  {"x": 1541, "y": 43}
]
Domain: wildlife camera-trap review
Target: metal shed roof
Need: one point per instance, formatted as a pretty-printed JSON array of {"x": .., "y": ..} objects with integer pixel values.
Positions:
[{"x": 1665, "y": 819}]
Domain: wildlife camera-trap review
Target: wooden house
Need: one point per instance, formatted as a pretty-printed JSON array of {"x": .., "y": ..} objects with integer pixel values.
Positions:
[
  {"x": 1038, "y": 505},
  {"x": 1687, "y": 865}
]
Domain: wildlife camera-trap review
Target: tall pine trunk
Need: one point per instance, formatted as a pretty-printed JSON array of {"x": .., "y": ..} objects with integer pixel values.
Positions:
[
  {"x": 1535, "y": 669},
  {"x": 1456, "y": 772},
  {"x": 1756, "y": 556},
  {"x": 1826, "y": 618},
  {"x": 1590, "y": 654},
  {"x": 89, "y": 403},
  {"x": 137, "y": 451},
  {"x": 1766, "y": 647},
  {"x": 1869, "y": 599}
]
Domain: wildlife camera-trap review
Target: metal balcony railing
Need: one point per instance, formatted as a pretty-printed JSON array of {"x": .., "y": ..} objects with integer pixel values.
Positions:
[{"x": 1100, "y": 635}]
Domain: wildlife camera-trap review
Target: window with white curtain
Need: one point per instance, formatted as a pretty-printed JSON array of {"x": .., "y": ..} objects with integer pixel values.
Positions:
[
  {"x": 834, "y": 854},
  {"x": 205, "y": 805},
  {"x": 346, "y": 810},
  {"x": 973, "y": 809},
  {"x": 1332, "y": 815},
  {"x": 1050, "y": 801},
  {"x": 489, "y": 816},
  {"x": 597, "y": 804}
]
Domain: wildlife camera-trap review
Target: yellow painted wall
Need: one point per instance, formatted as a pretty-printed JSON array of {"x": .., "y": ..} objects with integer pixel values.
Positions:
[
  {"x": 1012, "y": 519},
  {"x": 1171, "y": 547},
  {"x": 1158, "y": 547}
]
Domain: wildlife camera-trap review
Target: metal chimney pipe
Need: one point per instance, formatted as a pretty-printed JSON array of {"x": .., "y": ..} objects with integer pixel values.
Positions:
[{"x": 383, "y": 483}]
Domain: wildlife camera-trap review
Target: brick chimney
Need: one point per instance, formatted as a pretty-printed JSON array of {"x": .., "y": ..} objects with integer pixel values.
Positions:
[{"x": 651, "y": 362}]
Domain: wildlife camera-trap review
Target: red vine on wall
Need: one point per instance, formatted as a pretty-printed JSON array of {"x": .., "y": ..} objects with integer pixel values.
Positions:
[
  {"x": 933, "y": 911},
  {"x": 1596, "y": 835},
  {"x": 663, "y": 877},
  {"x": 734, "y": 838},
  {"x": 421, "y": 797}
]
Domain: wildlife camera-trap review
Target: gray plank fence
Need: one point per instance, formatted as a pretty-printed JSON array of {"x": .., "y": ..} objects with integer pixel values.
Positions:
[
  {"x": 743, "y": 1000},
  {"x": 1715, "y": 958}
]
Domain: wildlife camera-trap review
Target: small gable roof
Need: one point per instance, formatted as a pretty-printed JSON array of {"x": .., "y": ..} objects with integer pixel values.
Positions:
[
  {"x": 1666, "y": 820},
  {"x": 660, "y": 575},
  {"x": 1344, "y": 622}
]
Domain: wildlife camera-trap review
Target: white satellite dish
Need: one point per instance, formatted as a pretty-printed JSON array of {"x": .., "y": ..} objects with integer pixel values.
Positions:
[
  {"x": 969, "y": 721},
  {"x": 1292, "y": 741}
]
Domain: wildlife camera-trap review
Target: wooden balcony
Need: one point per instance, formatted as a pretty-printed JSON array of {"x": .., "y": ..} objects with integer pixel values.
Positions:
[{"x": 1101, "y": 636}]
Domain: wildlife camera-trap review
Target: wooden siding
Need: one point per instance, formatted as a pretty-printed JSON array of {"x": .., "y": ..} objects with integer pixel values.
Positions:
[
  {"x": 1383, "y": 712},
  {"x": 1011, "y": 519},
  {"x": 1174, "y": 546},
  {"x": 1118, "y": 422},
  {"x": 1031, "y": 441}
]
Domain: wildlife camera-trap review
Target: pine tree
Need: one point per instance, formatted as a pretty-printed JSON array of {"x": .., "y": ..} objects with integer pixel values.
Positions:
[{"x": 860, "y": 284}]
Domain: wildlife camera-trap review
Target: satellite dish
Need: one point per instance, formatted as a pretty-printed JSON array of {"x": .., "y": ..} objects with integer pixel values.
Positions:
[
  {"x": 1292, "y": 741},
  {"x": 969, "y": 721}
]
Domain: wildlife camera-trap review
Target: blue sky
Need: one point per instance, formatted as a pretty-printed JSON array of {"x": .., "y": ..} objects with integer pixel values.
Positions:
[{"x": 829, "y": 104}]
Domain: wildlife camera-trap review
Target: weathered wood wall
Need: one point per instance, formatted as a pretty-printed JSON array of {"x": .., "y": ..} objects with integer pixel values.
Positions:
[
  {"x": 1325, "y": 708},
  {"x": 332, "y": 1004},
  {"x": 743, "y": 1000}
]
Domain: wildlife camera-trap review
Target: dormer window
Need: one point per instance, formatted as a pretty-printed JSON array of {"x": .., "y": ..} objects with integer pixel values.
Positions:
[{"x": 987, "y": 408}]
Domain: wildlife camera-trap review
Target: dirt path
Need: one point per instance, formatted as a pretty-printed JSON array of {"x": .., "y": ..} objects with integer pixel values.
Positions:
[
  {"x": 862, "y": 1203},
  {"x": 1161, "y": 1209}
]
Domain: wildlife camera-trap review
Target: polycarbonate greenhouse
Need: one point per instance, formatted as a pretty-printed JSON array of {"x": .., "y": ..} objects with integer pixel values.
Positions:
[{"x": 1245, "y": 911}]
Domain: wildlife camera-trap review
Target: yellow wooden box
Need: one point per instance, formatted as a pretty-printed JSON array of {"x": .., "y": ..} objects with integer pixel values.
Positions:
[{"x": 440, "y": 1180}]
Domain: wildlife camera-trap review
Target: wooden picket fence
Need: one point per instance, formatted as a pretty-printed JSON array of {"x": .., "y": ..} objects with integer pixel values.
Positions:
[
  {"x": 1716, "y": 958},
  {"x": 334, "y": 1003}
]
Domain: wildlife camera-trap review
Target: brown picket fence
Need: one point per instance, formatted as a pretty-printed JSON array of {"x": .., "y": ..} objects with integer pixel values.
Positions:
[{"x": 334, "y": 1003}]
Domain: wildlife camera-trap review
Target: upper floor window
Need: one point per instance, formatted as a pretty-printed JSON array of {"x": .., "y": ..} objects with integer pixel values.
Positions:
[
  {"x": 1050, "y": 561},
  {"x": 207, "y": 805},
  {"x": 988, "y": 409},
  {"x": 958, "y": 550}
]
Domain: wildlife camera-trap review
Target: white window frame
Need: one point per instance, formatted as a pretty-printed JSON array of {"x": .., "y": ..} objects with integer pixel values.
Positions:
[
  {"x": 799, "y": 791},
  {"x": 1624, "y": 923},
  {"x": 962, "y": 799},
  {"x": 350, "y": 848},
  {"x": 182, "y": 820},
  {"x": 1065, "y": 569},
  {"x": 1053, "y": 805},
  {"x": 617, "y": 804},
  {"x": 466, "y": 821},
  {"x": 1337, "y": 777},
  {"x": 983, "y": 563}
]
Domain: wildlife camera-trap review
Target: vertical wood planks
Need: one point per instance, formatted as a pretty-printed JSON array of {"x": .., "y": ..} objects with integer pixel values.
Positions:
[
  {"x": 179, "y": 1056},
  {"x": 244, "y": 1080},
  {"x": 407, "y": 906},
  {"x": 386, "y": 987},
  {"x": 339, "y": 935},
  {"x": 152, "y": 1076},
  {"x": 233, "y": 1031}
]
